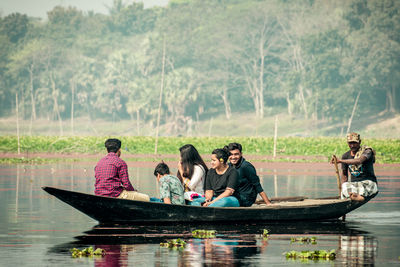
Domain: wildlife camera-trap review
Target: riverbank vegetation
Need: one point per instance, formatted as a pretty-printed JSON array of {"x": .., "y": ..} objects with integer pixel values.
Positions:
[
  {"x": 331, "y": 62},
  {"x": 289, "y": 148}
]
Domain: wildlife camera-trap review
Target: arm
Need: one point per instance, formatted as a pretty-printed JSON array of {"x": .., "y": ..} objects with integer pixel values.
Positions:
[
  {"x": 167, "y": 200},
  {"x": 265, "y": 198},
  {"x": 185, "y": 180},
  {"x": 124, "y": 176},
  {"x": 209, "y": 195},
  {"x": 345, "y": 166},
  {"x": 251, "y": 173},
  {"x": 165, "y": 192},
  {"x": 357, "y": 161},
  {"x": 196, "y": 178}
]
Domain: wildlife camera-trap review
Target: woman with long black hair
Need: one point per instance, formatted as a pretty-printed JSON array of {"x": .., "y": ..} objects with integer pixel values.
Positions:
[{"x": 192, "y": 171}]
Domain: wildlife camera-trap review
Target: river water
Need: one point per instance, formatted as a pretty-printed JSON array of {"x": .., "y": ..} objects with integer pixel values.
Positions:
[{"x": 37, "y": 229}]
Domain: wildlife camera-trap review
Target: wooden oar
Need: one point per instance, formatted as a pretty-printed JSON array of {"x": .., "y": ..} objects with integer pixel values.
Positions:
[
  {"x": 338, "y": 181},
  {"x": 337, "y": 175}
]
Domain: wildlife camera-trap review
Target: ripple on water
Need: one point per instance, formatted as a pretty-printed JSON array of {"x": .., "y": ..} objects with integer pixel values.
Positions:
[{"x": 377, "y": 218}]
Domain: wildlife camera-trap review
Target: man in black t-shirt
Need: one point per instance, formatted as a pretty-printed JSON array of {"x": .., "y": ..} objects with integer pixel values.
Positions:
[
  {"x": 248, "y": 181},
  {"x": 358, "y": 161}
]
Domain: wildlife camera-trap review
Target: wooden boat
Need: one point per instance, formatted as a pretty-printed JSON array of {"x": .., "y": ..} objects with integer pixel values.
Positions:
[{"x": 114, "y": 210}]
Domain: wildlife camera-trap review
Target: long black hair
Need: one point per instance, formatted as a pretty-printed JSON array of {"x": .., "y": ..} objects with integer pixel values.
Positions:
[{"x": 190, "y": 157}]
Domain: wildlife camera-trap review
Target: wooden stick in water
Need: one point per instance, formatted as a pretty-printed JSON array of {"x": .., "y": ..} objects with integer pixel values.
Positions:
[{"x": 337, "y": 174}]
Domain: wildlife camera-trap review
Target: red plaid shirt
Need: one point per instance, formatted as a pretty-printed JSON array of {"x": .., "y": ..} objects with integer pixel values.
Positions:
[{"x": 112, "y": 177}]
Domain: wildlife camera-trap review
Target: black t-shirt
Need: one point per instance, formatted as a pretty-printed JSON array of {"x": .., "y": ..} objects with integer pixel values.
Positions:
[
  {"x": 248, "y": 183},
  {"x": 218, "y": 183},
  {"x": 365, "y": 171}
]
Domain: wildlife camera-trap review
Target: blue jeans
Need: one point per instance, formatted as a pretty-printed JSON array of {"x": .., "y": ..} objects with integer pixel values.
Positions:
[
  {"x": 154, "y": 199},
  {"x": 230, "y": 201}
]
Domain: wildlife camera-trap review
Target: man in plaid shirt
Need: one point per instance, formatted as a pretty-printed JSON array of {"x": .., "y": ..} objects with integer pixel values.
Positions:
[{"x": 112, "y": 178}]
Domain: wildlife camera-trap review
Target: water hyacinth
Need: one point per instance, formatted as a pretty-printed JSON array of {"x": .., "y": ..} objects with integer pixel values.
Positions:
[
  {"x": 87, "y": 252},
  {"x": 313, "y": 255},
  {"x": 203, "y": 233},
  {"x": 314, "y": 149},
  {"x": 304, "y": 240},
  {"x": 265, "y": 234},
  {"x": 174, "y": 244}
]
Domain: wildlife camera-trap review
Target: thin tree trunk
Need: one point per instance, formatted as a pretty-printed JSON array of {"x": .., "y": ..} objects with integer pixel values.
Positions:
[
  {"x": 17, "y": 112},
  {"x": 56, "y": 109},
  {"x": 210, "y": 127},
  {"x": 395, "y": 102},
  {"x": 352, "y": 113},
  {"x": 260, "y": 90},
  {"x": 303, "y": 100},
  {"x": 72, "y": 84},
  {"x": 33, "y": 103},
  {"x": 224, "y": 96},
  {"x": 160, "y": 101},
  {"x": 256, "y": 100},
  {"x": 389, "y": 101},
  {"x": 289, "y": 104},
  {"x": 275, "y": 135},
  {"x": 138, "y": 121}
]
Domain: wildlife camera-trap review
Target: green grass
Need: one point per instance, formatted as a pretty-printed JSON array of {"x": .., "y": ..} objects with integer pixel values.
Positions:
[{"x": 388, "y": 150}]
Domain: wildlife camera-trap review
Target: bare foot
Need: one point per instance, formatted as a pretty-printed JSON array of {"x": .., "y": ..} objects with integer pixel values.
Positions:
[{"x": 356, "y": 197}]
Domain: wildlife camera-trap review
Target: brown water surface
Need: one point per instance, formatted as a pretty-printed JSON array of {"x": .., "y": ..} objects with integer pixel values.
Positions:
[{"x": 38, "y": 230}]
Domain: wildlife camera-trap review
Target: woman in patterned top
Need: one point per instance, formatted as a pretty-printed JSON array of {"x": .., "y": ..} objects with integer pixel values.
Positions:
[{"x": 171, "y": 189}]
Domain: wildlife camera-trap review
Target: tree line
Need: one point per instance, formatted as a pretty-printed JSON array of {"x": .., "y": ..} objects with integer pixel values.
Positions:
[{"x": 309, "y": 59}]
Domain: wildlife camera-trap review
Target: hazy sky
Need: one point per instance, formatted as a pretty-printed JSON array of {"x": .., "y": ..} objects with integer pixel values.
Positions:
[{"x": 39, "y": 8}]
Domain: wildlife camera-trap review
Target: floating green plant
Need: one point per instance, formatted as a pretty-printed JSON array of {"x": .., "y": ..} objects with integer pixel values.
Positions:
[
  {"x": 203, "y": 233},
  {"x": 174, "y": 244},
  {"x": 265, "y": 234},
  {"x": 87, "y": 252},
  {"x": 313, "y": 255},
  {"x": 304, "y": 240}
]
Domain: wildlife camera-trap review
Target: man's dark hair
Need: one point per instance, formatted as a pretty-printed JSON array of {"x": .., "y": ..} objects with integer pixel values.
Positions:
[
  {"x": 161, "y": 169},
  {"x": 233, "y": 146},
  {"x": 112, "y": 145}
]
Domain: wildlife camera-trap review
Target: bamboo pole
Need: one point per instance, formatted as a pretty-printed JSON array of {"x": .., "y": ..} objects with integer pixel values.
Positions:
[
  {"x": 16, "y": 107},
  {"x": 337, "y": 174},
  {"x": 160, "y": 101},
  {"x": 352, "y": 113}
]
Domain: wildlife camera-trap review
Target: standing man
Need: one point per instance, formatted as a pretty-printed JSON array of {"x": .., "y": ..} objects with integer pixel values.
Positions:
[
  {"x": 112, "y": 178},
  {"x": 359, "y": 162},
  {"x": 248, "y": 181}
]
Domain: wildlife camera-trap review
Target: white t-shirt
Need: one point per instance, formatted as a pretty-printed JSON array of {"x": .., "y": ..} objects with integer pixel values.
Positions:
[{"x": 197, "y": 180}]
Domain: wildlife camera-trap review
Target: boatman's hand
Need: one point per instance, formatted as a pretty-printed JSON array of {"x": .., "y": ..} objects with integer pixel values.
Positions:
[{"x": 333, "y": 159}]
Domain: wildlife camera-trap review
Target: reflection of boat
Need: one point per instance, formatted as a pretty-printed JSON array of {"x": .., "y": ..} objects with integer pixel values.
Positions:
[
  {"x": 148, "y": 234},
  {"x": 114, "y": 210}
]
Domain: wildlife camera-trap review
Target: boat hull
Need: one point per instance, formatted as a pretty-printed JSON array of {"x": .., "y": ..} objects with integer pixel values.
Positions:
[{"x": 114, "y": 210}]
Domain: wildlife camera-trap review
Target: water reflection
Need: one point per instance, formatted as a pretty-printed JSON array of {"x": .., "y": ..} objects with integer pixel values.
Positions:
[
  {"x": 234, "y": 245},
  {"x": 117, "y": 255},
  {"x": 358, "y": 250},
  {"x": 37, "y": 229}
]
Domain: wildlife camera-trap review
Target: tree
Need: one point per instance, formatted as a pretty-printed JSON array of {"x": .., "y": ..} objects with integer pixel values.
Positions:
[{"x": 14, "y": 26}]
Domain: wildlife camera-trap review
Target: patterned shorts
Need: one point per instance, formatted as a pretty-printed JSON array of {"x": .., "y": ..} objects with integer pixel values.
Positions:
[{"x": 364, "y": 188}]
